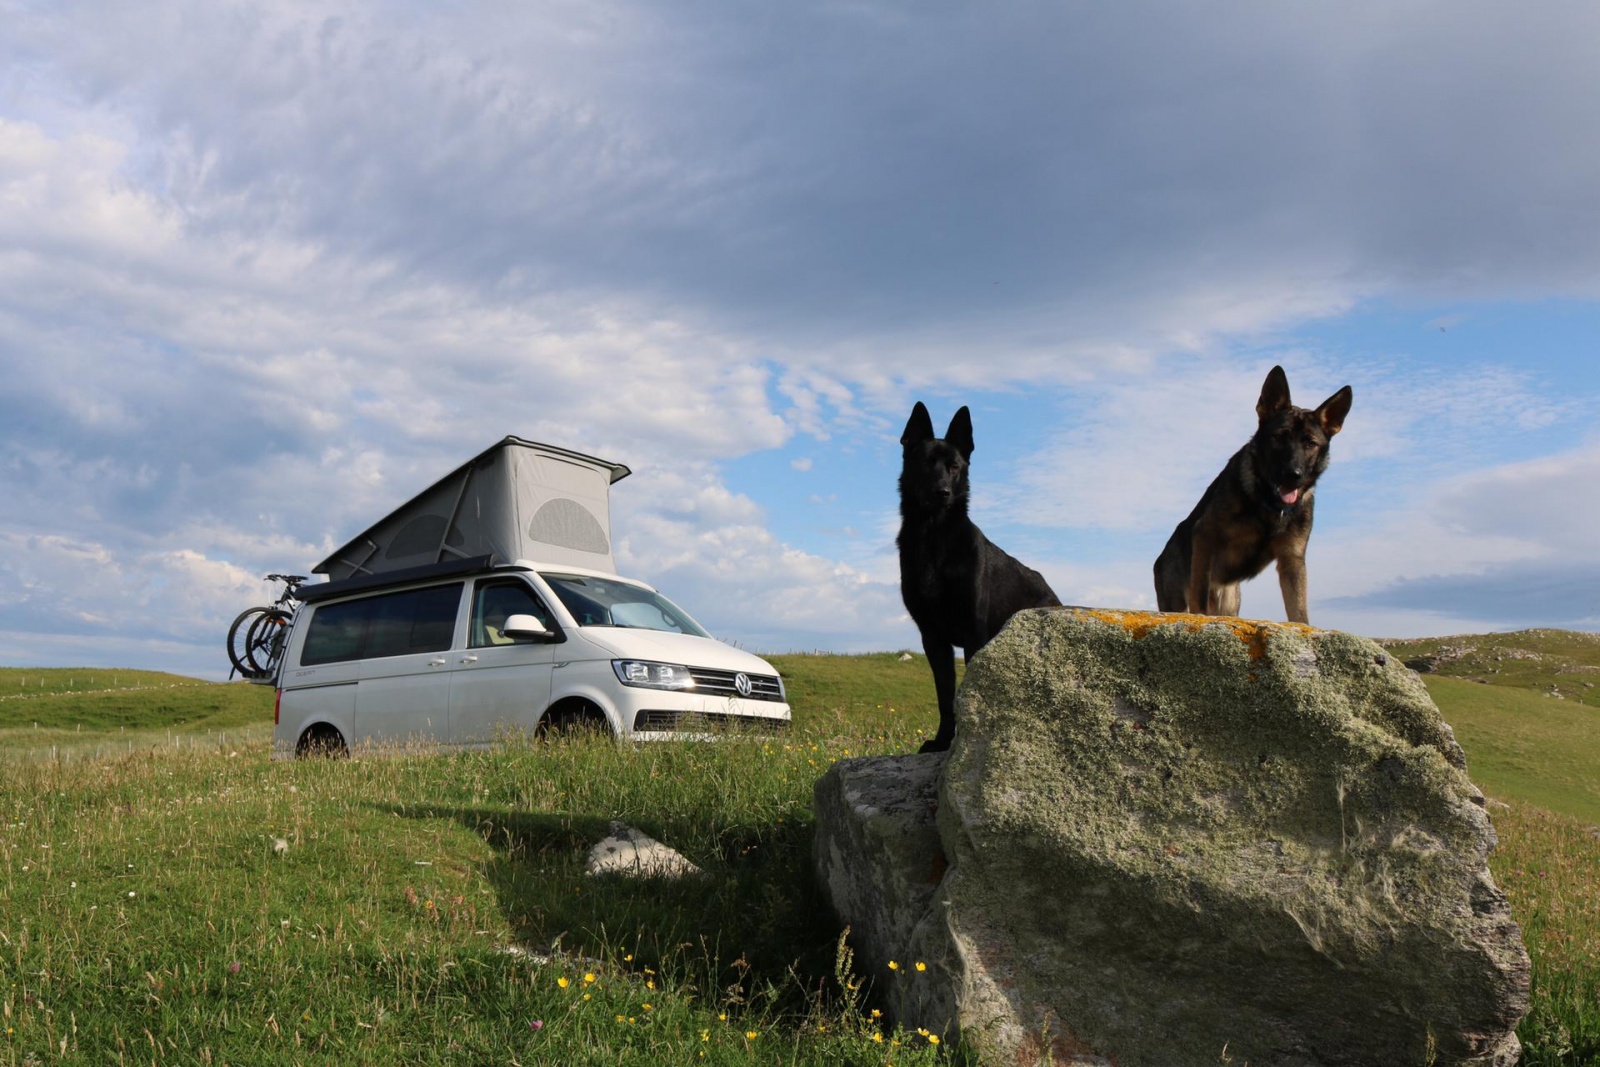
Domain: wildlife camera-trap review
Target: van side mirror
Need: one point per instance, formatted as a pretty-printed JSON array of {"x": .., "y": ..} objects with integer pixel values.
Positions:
[{"x": 525, "y": 626}]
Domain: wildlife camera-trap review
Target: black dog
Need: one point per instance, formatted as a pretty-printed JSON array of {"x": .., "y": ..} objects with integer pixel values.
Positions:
[
  {"x": 1256, "y": 511},
  {"x": 959, "y": 588}
]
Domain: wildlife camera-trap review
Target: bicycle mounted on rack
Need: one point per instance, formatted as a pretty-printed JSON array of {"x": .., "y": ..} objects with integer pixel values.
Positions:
[{"x": 257, "y": 637}]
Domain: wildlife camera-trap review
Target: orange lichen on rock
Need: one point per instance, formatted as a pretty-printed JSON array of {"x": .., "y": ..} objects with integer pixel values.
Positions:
[{"x": 1253, "y": 632}]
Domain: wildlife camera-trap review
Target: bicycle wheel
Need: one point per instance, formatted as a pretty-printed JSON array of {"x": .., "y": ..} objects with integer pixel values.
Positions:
[
  {"x": 239, "y": 642},
  {"x": 265, "y": 641}
]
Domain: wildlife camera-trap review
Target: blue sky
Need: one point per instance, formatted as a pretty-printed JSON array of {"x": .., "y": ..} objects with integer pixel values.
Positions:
[{"x": 267, "y": 269}]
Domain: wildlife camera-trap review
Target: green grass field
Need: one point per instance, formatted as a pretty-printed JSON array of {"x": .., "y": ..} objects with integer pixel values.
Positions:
[{"x": 171, "y": 896}]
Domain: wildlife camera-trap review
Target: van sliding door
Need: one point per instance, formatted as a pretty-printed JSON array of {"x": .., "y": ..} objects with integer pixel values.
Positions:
[{"x": 404, "y": 694}]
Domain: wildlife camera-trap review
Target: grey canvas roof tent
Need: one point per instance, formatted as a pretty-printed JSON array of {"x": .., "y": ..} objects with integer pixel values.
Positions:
[{"x": 515, "y": 500}]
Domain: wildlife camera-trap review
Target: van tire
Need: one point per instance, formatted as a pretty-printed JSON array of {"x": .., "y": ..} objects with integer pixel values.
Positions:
[
  {"x": 322, "y": 742},
  {"x": 571, "y": 718}
]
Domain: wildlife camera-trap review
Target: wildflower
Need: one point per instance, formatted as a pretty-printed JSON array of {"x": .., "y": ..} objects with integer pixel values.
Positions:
[
  {"x": 722, "y": 1016},
  {"x": 650, "y": 984},
  {"x": 893, "y": 966},
  {"x": 877, "y": 1014},
  {"x": 647, "y": 1006},
  {"x": 622, "y": 1018},
  {"x": 921, "y": 966},
  {"x": 705, "y": 1035},
  {"x": 750, "y": 1035},
  {"x": 537, "y": 1024},
  {"x": 563, "y": 982},
  {"x": 233, "y": 968},
  {"x": 878, "y": 1037},
  {"x": 131, "y": 893},
  {"x": 933, "y": 1039},
  {"x": 588, "y": 979},
  {"x": 586, "y": 996}
]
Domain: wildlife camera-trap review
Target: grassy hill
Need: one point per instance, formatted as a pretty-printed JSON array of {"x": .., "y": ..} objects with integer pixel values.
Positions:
[{"x": 174, "y": 897}]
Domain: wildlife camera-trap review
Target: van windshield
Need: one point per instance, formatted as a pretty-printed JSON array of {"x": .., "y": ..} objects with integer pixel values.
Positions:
[{"x": 606, "y": 602}]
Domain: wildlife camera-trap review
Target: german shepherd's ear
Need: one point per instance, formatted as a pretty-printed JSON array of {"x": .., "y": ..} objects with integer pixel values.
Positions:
[
  {"x": 1274, "y": 394},
  {"x": 1333, "y": 410},
  {"x": 919, "y": 427},
  {"x": 960, "y": 433}
]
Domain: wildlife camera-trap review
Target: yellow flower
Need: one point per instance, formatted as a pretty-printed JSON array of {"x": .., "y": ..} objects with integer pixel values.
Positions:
[
  {"x": 921, "y": 966},
  {"x": 933, "y": 1039},
  {"x": 876, "y": 1014},
  {"x": 563, "y": 982},
  {"x": 893, "y": 966},
  {"x": 878, "y": 1038},
  {"x": 648, "y": 1007},
  {"x": 722, "y": 1016},
  {"x": 588, "y": 979},
  {"x": 705, "y": 1035},
  {"x": 750, "y": 1035}
]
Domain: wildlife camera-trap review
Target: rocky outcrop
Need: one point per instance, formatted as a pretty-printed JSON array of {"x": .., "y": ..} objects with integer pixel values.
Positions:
[{"x": 1169, "y": 839}]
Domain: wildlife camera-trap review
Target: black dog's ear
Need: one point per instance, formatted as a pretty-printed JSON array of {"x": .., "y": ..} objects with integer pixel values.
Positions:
[
  {"x": 960, "y": 433},
  {"x": 1333, "y": 410},
  {"x": 1274, "y": 394},
  {"x": 919, "y": 427}
]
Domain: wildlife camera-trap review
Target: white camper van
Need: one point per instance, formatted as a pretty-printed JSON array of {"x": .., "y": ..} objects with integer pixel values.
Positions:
[{"x": 489, "y": 603}]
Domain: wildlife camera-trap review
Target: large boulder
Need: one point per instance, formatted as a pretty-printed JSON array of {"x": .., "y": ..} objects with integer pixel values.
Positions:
[{"x": 1176, "y": 840}]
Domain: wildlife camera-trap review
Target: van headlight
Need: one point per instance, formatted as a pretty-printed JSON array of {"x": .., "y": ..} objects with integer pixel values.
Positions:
[{"x": 648, "y": 674}]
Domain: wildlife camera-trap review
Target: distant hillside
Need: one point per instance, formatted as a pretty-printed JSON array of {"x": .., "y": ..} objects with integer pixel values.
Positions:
[
  {"x": 1562, "y": 663},
  {"x": 1525, "y": 706}
]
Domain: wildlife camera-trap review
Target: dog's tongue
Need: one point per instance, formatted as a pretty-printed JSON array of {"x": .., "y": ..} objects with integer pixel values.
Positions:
[{"x": 1290, "y": 496}]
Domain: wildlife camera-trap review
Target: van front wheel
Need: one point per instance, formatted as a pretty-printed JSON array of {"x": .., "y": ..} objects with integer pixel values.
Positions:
[{"x": 573, "y": 718}]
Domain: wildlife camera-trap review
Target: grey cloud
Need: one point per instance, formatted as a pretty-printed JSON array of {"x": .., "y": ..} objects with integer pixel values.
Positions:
[
  {"x": 1564, "y": 594},
  {"x": 830, "y": 170}
]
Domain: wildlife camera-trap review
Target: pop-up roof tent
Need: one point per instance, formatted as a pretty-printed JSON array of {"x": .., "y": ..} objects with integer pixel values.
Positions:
[{"x": 515, "y": 500}]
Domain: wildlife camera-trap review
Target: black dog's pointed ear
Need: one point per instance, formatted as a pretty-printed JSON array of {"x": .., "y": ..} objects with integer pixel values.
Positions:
[
  {"x": 960, "y": 432},
  {"x": 1333, "y": 411},
  {"x": 1274, "y": 394},
  {"x": 919, "y": 427}
]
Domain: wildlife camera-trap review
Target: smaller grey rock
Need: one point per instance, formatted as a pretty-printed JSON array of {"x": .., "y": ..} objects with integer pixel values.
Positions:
[{"x": 631, "y": 854}]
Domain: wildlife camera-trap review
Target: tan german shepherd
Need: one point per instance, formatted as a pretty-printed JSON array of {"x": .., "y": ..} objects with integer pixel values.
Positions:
[{"x": 1257, "y": 511}]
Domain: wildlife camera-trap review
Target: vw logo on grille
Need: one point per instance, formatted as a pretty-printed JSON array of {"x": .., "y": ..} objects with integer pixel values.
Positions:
[{"x": 741, "y": 682}]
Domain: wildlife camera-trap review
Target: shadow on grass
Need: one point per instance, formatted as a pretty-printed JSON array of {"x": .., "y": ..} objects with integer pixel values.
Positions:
[{"x": 753, "y": 923}]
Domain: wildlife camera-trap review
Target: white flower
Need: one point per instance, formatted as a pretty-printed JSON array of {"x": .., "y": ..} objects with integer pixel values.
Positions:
[{"x": 279, "y": 845}]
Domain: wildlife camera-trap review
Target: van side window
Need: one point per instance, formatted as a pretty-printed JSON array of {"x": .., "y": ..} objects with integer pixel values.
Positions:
[
  {"x": 498, "y": 601},
  {"x": 392, "y": 624},
  {"x": 335, "y": 633},
  {"x": 418, "y": 620}
]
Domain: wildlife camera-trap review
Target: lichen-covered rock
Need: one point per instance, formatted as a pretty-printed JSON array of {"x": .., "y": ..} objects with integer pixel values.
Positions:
[
  {"x": 877, "y": 850},
  {"x": 1181, "y": 840}
]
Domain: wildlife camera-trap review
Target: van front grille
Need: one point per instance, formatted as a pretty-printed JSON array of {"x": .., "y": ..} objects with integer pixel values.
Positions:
[{"x": 722, "y": 684}]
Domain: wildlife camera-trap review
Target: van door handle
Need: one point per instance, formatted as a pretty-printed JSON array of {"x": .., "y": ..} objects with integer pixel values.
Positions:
[
  {"x": 469, "y": 659},
  {"x": 436, "y": 662}
]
